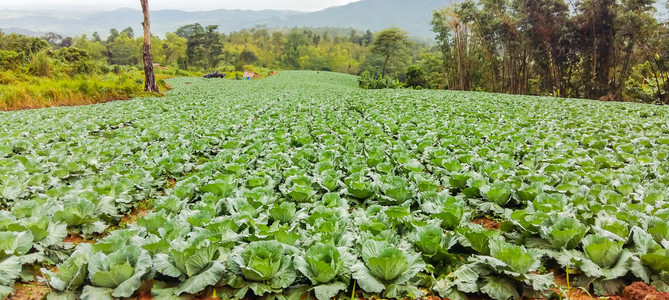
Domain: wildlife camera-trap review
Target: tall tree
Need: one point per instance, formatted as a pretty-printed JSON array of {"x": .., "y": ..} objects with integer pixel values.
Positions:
[
  {"x": 204, "y": 45},
  {"x": 388, "y": 43},
  {"x": 150, "y": 78},
  {"x": 597, "y": 33},
  {"x": 129, "y": 32},
  {"x": 453, "y": 26}
]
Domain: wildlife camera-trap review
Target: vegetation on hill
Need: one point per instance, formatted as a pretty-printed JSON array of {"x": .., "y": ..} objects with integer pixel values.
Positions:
[
  {"x": 596, "y": 49},
  {"x": 35, "y": 74}
]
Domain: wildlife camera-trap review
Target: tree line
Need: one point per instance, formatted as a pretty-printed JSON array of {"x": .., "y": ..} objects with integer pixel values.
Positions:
[{"x": 597, "y": 49}]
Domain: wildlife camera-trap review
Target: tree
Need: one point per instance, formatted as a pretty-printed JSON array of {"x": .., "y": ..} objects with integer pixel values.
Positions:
[
  {"x": 174, "y": 48},
  {"x": 129, "y": 32},
  {"x": 453, "y": 26},
  {"x": 96, "y": 37},
  {"x": 415, "y": 77},
  {"x": 387, "y": 43},
  {"x": 53, "y": 38},
  {"x": 123, "y": 51},
  {"x": 150, "y": 78},
  {"x": 204, "y": 45},
  {"x": 597, "y": 33},
  {"x": 248, "y": 57},
  {"x": 113, "y": 34}
]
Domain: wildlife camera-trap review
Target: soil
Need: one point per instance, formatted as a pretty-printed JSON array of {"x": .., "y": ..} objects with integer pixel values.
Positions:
[
  {"x": 641, "y": 291},
  {"x": 145, "y": 290},
  {"x": 560, "y": 288},
  {"x": 29, "y": 291},
  {"x": 76, "y": 239},
  {"x": 487, "y": 223},
  {"x": 171, "y": 182},
  {"x": 133, "y": 216}
]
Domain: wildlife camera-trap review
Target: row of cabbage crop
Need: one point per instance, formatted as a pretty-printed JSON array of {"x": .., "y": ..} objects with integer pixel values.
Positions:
[
  {"x": 80, "y": 170},
  {"x": 327, "y": 188}
]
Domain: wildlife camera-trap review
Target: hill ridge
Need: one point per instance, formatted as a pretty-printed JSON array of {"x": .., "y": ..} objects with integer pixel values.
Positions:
[{"x": 412, "y": 16}]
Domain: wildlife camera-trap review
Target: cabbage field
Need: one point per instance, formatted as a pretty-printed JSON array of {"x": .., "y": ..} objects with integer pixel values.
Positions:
[{"x": 303, "y": 186}]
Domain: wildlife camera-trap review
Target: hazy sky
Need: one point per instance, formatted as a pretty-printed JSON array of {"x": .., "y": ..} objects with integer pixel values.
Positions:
[{"x": 191, "y": 5}]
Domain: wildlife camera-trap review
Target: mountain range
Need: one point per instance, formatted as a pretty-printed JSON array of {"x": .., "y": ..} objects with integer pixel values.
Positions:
[{"x": 411, "y": 15}]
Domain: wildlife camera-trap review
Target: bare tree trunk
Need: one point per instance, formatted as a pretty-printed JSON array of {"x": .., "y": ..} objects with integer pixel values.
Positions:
[{"x": 150, "y": 78}]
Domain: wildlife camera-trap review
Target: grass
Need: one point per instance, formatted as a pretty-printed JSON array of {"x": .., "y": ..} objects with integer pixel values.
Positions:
[{"x": 19, "y": 91}]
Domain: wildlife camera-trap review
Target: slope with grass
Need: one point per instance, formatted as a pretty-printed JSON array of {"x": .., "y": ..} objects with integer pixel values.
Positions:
[{"x": 302, "y": 185}]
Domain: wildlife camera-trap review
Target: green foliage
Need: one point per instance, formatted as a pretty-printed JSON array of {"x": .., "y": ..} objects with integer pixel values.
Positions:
[
  {"x": 262, "y": 267},
  {"x": 40, "y": 64},
  {"x": 10, "y": 60},
  {"x": 77, "y": 61},
  {"x": 35, "y": 75},
  {"x": 387, "y": 268},
  {"x": 328, "y": 188},
  {"x": 415, "y": 77},
  {"x": 574, "y": 53},
  {"x": 387, "y": 43},
  {"x": 370, "y": 82}
]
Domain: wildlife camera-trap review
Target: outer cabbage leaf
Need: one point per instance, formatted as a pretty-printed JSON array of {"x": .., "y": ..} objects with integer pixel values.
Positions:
[
  {"x": 71, "y": 273},
  {"x": 385, "y": 264},
  {"x": 120, "y": 271}
]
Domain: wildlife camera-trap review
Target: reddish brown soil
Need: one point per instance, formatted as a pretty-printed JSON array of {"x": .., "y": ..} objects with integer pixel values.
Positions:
[
  {"x": 575, "y": 293},
  {"x": 133, "y": 216},
  {"x": 487, "y": 223},
  {"x": 171, "y": 182},
  {"x": 76, "y": 239},
  {"x": 145, "y": 290},
  {"x": 29, "y": 291},
  {"x": 641, "y": 291}
]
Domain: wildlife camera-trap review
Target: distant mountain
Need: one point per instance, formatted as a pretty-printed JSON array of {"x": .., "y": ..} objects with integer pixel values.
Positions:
[
  {"x": 412, "y": 16},
  {"x": 23, "y": 31}
]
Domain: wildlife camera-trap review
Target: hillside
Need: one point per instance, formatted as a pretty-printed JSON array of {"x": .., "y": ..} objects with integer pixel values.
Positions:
[{"x": 374, "y": 15}]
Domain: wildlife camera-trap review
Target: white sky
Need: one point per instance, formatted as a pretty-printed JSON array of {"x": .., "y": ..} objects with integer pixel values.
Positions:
[{"x": 190, "y": 5}]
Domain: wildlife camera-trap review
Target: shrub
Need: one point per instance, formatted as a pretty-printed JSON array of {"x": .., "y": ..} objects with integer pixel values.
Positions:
[
  {"x": 10, "y": 60},
  {"x": 369, "y": 82},
  {"x": 415, "y": 77},
  {"x": 40, "y": 64}
]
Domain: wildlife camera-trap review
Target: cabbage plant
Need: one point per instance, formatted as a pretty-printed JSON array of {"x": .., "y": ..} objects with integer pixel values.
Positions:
[
  {"x": 71, "y": 273},
  {"x": 388, "y": 269},
  {"x": 299, "y": 188},
  {"x": 262, "y": 266},
  {"x": 118, "y": 274},
  {"x": 359, "y": 186},
  {"x": 327, "y": 267},
  {"x": 197, "y": 264},
  {"x": 496, "y": 274},
  {"x": 13, "y": 246}
]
